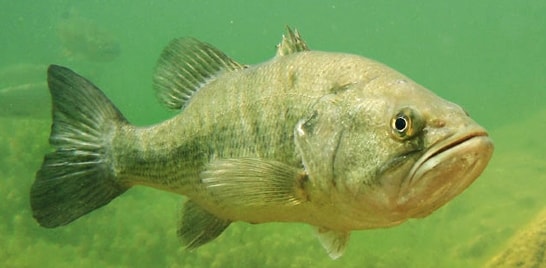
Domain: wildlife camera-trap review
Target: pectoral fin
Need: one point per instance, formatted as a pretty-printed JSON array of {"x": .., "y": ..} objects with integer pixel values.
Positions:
[
  {"x": 254, "y": 182},
  {"x": 198, "y": 226},
  {"x": 334, "y": 242}
]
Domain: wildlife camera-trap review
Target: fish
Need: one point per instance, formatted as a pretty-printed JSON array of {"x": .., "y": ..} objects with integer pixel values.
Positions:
[
  {"x": 333, "y": 140},
  {"x": 83, "y": 39}
]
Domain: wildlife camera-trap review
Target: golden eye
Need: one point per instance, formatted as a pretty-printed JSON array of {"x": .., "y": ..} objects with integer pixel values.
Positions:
[{"x": 406, "y": 123}]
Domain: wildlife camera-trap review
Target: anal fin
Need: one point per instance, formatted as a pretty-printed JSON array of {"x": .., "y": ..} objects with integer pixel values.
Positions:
[
  {"x": 334, "y": 242},
  {"x": 198, "y": 226}
]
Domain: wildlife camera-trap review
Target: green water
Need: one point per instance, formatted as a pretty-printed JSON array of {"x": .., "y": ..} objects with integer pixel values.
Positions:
[{"x": 488, "y": 56}]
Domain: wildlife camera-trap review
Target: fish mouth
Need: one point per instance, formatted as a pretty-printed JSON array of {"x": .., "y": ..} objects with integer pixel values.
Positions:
[
  {"x": 444, "y": 171},
  {"x": 477, "y": 142}
]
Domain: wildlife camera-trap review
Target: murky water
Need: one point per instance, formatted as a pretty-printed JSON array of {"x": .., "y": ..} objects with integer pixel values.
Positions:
[{"x": 488, "y": 56}]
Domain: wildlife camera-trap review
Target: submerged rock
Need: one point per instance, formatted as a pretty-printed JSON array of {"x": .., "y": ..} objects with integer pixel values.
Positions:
[{"x": 527, "y": 249}]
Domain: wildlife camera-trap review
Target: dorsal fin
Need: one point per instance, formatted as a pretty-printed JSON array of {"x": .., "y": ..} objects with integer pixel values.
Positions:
[
  {"x": 185, "y": 66},
  {"x": 291, "y": 43}
]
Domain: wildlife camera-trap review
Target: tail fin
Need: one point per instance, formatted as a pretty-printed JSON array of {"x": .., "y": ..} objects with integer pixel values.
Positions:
[{"x": 78, "y": 177}]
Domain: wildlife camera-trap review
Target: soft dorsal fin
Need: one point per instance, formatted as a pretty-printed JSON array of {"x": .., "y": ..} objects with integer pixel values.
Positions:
[
  {"x": 291, "y": 43},
  {"x": 185, "y": 66}
]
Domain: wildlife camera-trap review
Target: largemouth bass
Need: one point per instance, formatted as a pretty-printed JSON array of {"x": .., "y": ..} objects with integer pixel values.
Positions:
[
  {"x": 83, "y": 39},
  {"x": 337, "y": 141}
]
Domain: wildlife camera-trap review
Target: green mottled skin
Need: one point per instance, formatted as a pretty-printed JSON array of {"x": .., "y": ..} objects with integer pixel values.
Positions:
[
  {"x": 247, "y": 113},
  {"x": 253, "y": 113}
]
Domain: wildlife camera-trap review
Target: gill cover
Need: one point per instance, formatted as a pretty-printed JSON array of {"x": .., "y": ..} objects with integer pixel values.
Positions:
[{"x": 317, "y": 137}]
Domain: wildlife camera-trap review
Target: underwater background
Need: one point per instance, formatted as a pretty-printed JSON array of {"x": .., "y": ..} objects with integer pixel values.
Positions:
[{"x": 487, "y": 56}]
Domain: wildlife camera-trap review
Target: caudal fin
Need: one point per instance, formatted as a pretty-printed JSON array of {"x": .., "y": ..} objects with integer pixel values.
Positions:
[{"x": 78, "y": 176}]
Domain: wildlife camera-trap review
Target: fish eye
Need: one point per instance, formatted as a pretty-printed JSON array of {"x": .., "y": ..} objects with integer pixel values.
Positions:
[{"x": 406, "y": 123}]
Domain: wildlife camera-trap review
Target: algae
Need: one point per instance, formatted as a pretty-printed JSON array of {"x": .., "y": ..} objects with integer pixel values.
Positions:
[{"x": 527, "y": 249}]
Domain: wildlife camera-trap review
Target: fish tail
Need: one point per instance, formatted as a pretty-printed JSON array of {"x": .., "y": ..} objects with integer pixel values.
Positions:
[{"x": 78, "y": 177}]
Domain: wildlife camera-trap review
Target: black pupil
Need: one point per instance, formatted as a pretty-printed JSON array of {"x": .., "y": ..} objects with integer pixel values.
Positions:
[{"x": 400, "y": 124}]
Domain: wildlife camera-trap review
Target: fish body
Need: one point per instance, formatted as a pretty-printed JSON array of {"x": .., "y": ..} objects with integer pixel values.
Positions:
[
  {"x": 334, "y": 140},
  {"x": 83, "y": 39}
]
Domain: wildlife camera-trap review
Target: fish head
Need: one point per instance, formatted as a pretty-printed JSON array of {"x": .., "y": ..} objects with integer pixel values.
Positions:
[{"x": 388, "y": 150}]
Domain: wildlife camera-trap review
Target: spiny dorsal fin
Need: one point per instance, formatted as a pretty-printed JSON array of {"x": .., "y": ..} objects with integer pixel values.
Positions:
[
  {"x": 185, "y": 66},
  {"x": 291, "y": 43}
]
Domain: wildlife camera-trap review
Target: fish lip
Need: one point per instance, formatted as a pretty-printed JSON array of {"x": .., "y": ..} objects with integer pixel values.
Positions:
[{"x": 443, "y": 146}]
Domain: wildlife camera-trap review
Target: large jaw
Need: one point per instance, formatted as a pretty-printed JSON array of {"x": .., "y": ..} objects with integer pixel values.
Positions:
[{"x": 444, "y": 171}]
